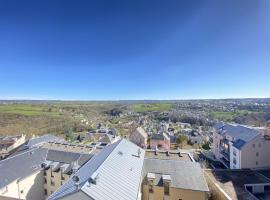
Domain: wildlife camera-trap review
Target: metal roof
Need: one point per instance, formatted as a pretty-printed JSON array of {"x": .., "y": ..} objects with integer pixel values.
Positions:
[
  {"x": 116, "y": 163},
  {"x": 21, "y": 165},
  {"x": 238, "y": 131},
  {"x": 24, "y": 164},
  {"x": 42, "y": 139},
  {"x": 185, "y": 175}
]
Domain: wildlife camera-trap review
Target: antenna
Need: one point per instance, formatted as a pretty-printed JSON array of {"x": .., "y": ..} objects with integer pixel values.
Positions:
[{"x": 139, "y": 152}]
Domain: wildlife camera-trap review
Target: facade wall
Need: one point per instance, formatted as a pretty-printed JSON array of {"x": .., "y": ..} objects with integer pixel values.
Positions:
[
  {"x": 30, "y": 188},
  {"x": 256, "y": 153},
  {"x": 138, "y": 139},
  {"x": 175, "y": 194},
  {"x": 53, "y": 181},
  {"x": 235, "y": 158},
  {"x": 161, "y": 144}
]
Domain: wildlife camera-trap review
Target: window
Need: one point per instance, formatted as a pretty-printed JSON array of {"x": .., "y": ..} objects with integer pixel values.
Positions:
[
  {"x": 45, "y": 180},
  {"x": 257, "y": 163},
  {"x": 234, "y": 152},
  {"x": 257, "y": 154},
  {"x": 253, "y": 145},
  {"x": 166, "y": 188},
  {"x": 150, "y": 186},
  {"x": 45, "y": 192},
  {"x": 234, "y": 161},
  {"x": 45, "y": 173},
  {"x": 52, "y": 183}
]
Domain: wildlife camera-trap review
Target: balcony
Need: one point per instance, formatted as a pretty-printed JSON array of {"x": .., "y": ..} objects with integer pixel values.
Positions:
[{"x": 225, "y": 154}]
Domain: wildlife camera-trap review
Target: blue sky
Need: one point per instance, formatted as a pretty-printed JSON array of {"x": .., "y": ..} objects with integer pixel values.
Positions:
[{"x": 110, "y": 50}]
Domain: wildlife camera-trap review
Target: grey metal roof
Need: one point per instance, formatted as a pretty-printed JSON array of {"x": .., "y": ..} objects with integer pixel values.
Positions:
[
  {"x": 116, "y": 163},
  {"x": 107, "y": 138},
  {"x": 62, "y": 156},
  {"x": 238, "y": 131},
  {"x": 42, "y": 139},
  {"x": 157, "y": 136},
  {"x": 185, "y": 175},
  {"x": 21, "y": 165}
]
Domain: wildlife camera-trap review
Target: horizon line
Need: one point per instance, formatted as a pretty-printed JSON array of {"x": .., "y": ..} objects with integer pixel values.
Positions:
[{"x": 103, "y": 100}]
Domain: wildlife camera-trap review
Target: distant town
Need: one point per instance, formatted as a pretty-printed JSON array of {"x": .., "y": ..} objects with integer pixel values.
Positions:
[{"x": 167, "y": 150}]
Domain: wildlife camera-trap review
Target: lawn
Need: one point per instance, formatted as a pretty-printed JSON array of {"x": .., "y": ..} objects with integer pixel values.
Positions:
[
  {"x": 27, "y": 110},
  {"x": 229, "y": 116},
  {"x": 151, "y": 107}
]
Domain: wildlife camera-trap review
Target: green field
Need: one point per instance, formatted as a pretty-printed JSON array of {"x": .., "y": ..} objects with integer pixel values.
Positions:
[
  {"x": 151, "y": 107},
  {"x": 28, "y": 110},
  {"x": 229, "y": 116}
]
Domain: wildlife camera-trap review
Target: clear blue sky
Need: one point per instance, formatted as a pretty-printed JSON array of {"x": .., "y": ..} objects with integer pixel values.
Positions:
[{"x": 100, "y": 50}]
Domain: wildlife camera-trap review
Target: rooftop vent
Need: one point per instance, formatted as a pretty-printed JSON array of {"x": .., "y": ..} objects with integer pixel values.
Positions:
[
  {"x": 93, "y": 178},
  {"x": 76, "y": 180},
  {"x": 138, "y": 154},
  {"x": 156, "y": 150},
  {"x": 267, "y": 137}
]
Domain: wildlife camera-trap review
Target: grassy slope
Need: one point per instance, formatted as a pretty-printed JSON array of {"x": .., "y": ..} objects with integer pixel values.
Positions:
[
  {"x": 229, "y": 116},
  {"x": 27, "y": 110}
]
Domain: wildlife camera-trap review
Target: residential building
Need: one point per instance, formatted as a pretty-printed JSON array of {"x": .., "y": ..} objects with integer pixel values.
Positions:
[
  {"x": 9, "y": 144},
  {"x": 124, "y": 171},
  {"x": 239, "y": 146},
  {"x": 139, "y": 137},
  {"x": 39, "y": 141},
  {"x": 160, "y": 141},
  {"x": 115, "y": 173},
  {"x": 173, "y": 180},
  {"x": 37, "y": 172},
  {"x": 108, "y": 138},
  {"x": 68, "y": 147}
]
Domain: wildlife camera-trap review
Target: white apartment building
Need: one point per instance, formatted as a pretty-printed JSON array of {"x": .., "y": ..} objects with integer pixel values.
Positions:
[{"x": 239, "y": 146}]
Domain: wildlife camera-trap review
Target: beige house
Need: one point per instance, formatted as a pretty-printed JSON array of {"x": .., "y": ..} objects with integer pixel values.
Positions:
[
  {"x": 115, "y": 173},
  {"x": 139, "y": 137},
  {"x": 9, "y": 144},
  {"x": 67, "y": 147},
  {"x": 37, "y": 173},
  {"x": 239, "y": 146},
  {"x": 173, "y": 180}
]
